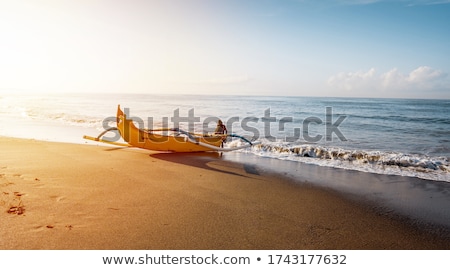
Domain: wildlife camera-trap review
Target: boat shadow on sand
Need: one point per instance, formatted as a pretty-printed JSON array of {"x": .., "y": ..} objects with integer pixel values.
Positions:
[{"x": 210, "y": 161}]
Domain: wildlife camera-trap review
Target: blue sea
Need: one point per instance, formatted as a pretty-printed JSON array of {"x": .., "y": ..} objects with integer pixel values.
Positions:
[{"x": 406, "y": 137}]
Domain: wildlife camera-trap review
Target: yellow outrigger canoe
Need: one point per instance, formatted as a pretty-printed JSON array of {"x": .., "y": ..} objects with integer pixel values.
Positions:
[{"x": 177, "y": 141}]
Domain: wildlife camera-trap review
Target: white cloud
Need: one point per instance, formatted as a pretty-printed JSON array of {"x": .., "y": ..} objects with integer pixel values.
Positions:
[
  {"x": 352, "y": 80},
  {"x": 423, "y": 78},
  {"x": 423, "y": 74}
]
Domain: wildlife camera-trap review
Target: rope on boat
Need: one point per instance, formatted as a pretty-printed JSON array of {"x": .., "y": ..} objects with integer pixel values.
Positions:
[
  {"x": 192, "y": 136},
  {"x": 189, "y": 134},
  {"x": 192, "y": 139}
]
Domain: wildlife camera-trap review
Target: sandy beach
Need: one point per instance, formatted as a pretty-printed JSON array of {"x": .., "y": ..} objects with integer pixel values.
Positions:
[{"x": 70, "y": 196}]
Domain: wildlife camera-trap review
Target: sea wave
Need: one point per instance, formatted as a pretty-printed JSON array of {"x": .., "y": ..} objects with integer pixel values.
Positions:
[
  {"x": 417, "y": 130},
  {"x": 403, "y": 164}
]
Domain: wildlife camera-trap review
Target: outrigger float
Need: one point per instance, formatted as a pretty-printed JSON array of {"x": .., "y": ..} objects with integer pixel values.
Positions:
[{"x": 176, "y": 140}]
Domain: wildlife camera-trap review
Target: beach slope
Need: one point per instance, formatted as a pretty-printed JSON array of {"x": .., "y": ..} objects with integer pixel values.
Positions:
[{"x": 69, "y": 196}]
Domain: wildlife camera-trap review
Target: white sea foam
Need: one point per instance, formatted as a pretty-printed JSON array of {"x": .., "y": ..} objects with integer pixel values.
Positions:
[{"x": 421, "y": 166}]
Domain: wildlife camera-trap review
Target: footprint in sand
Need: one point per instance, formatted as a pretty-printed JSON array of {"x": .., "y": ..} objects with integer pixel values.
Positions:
[
  {"x": 17, "y": 210},
  {"x": 13, "y": 202},
  {"x": 16, "y": 205}
]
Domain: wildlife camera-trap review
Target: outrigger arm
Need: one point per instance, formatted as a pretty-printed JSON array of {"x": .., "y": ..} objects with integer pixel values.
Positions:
[{"x": 99, "y": 139}]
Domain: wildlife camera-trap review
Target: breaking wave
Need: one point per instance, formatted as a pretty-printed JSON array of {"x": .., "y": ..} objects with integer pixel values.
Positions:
[{"x": 414, "y": 165}]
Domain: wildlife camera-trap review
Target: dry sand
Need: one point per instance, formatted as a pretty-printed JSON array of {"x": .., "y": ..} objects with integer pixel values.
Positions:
[{"x": 69, "y": 196}]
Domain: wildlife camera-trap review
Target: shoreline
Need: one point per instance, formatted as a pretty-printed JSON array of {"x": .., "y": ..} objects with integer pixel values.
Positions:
[
  {"x": 419, "y": 200},
  {"x": 100, "y": 197}
]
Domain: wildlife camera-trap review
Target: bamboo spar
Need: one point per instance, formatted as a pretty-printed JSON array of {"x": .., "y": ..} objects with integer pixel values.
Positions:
[{"x": 106, "y": 141}]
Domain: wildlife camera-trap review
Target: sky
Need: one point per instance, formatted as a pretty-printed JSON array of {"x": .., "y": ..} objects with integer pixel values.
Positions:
[{"x": 341, "y": 48}]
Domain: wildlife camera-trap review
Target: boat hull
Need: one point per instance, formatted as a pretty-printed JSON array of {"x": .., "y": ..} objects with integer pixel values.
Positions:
[{"x": 159, "y": 142}]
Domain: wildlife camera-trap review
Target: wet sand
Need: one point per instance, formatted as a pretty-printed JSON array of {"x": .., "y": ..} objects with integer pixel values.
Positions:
[
  {"x": 422, "y": 202},
  {"x": 69, "y": 196}
]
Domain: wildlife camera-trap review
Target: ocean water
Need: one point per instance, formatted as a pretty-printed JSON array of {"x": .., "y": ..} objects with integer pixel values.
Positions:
[{"x": 406, "y": 137}]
